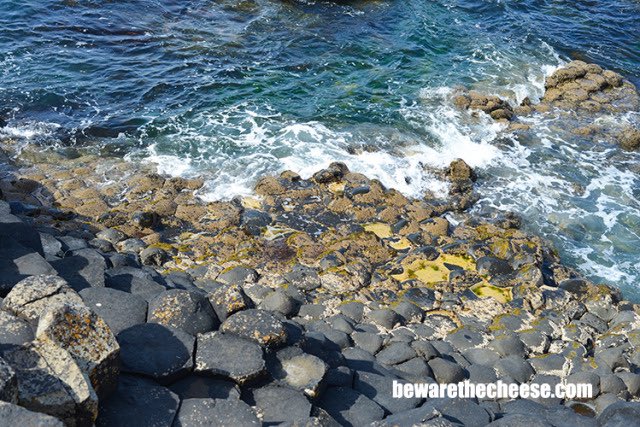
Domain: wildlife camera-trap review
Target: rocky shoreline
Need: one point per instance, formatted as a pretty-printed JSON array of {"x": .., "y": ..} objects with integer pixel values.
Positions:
[{"x": 128, "y": 300}]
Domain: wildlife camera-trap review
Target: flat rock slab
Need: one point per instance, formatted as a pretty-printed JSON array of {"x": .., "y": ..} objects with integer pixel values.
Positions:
[
  {"x": 14, "y": 415},
  {"x": 281, "y": 404},
  {"x": 138, "y": 402},
  {"x": 120, "y": 310},
  {"x": 50, "y": 381},
  {"x": 304, "y": 372},
  {"x": 88, "y": 340},
  {"x": 214, "y": 413},
  {"x": 257, "y": 325},
  {"x": 84, "y": 269},
  {"x": 197, "y": 387},
  {"x": 157, "y": 351},
  {"x": 18, "y": 262},
  {"x": 34, "y": 295},
  {"x": 350, "y": 407},
  {"x": 230, "y": 356},
  {"x": 186, "y": 310},
  {"x": 141, "y": 286}
]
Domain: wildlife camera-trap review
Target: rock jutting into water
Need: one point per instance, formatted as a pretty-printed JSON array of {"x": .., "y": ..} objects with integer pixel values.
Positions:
[
  {"x": 301, "y": 304},
  {"x": 579, "y": 90}
]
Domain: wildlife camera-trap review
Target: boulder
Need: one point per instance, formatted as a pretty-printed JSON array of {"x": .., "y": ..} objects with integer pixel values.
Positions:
[
  {"x": 141, "y": 286},
  {"x": 31, "y": 297},
  {"x": 88, "y": 340},
  {"x": 379, "y": 389},
  {"x": 257, "y": 325},
  {"x": 153, "y": 256},
  {"x": 217, "y": 354},
  {"x": 18, "y": 262},
  {"x": 138, "y": 402},
  {"x": 161, "y": 352},
  {"x": 50, "y": 381},
  {"x": 186, "y": 310}
]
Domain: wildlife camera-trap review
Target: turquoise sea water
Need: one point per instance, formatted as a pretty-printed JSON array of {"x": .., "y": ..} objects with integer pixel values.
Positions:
[{"x": 237, "y": 89}]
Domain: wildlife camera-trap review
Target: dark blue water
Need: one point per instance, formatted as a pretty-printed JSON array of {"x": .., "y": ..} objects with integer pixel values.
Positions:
[{"x": 236, "y": 89}]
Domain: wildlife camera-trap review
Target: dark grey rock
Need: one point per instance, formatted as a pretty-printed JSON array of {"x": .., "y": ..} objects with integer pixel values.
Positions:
[
  {"x": 279, "y": 302},
  {"x": 353, "y": 310},
  {"x": 13, "y": 331},
  {"x": 101, "y": 245},
  {"x": 18, "y": 262},
  {"x": 119, "y": 309},
  {"x": 517, "y": 420},
  {"x": 481, "y": 374},
  {"x": 424, "y": 298},
  {"x": 186, "y": 310},
  {"x": 552, "y": 364},
  {"x": 157, "y": 351},
  {"x": 514, "y": 367},
  {"x": 586, "y": 378},
  {"x": 508, "y": 345},
  {"x": 368, "y": 341},
  {"x": 141, "y": 286},
  {"x": 132, "y": 245},
  {"x": 552, "y": 381},
  {"x": 311, "y": 311},
  {"x": 303, "y": 277},
  {"x": 281, "y": 404},
  {"x": 215, "y": 412},
  {"x": 198, "y": 387},
  {"x": 84, "y": 269},
  {"x": 465, "y": 338},
  {"x": 535, "y": 341},
  {"x": 342, "y": 323},
  {"x": 379, "y": 388},
  {"x": 610, "y": 383},
  {"x": 8, "y": 383},
  {"x": 111, "y": 235},
  {"x": 219, "y": 354},
  {"x": 70, "y": 243},
  {"x": 349, "y": 407},
  {"x": 446, "y": 371},
  {"x": 153, "y": 256},
  {"x": 462, "y": 411},
  {"x": 51, "y": 246},
  {"x": 612, "y": 358},
  {"x": 396, "y": 353},
  {"x": 481, "y": 356},
  {"x": 415, "y": 369},
  {"x": 620, "y": 414},
  {"x": 238, "y": 276},
  {"x": 385, "y": 318},
  {"x": 409, "y": 312},
  {"x": 339, "y": 376},
  {"x": 14, "y": 415},
  {"x": 493, "y": 266},
  {"x": 138, "y": 402},
  {"x": 425, "y": 349},
  {"x": 632, "y": 381},
  {"x": 257, "y": 325}
]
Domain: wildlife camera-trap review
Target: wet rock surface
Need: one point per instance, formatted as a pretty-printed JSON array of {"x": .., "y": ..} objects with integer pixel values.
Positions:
[{"x": 300, "y": 305}]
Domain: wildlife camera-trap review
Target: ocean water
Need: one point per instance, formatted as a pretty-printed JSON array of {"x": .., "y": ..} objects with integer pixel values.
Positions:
[{"x": 237, "y": 89}]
